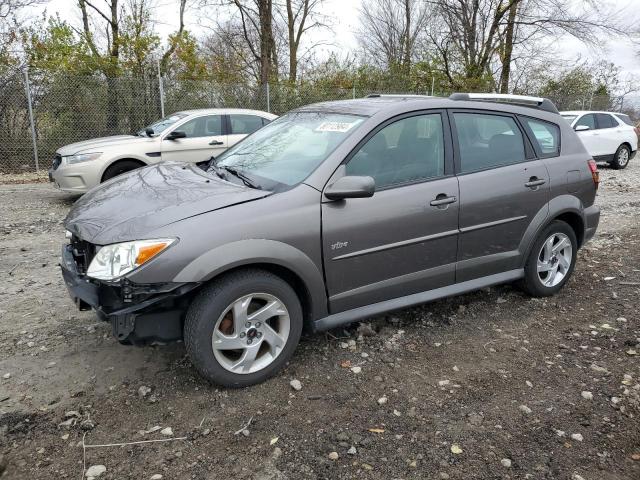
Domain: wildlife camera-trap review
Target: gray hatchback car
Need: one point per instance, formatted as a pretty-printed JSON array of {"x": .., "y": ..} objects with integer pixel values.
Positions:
[{"x": 333, "y": 213}]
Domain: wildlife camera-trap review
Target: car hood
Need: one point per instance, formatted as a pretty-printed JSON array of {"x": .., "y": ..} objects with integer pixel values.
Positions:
[
  {"x": 134, "y": 204},
  {"x": 96, "y": 144}
]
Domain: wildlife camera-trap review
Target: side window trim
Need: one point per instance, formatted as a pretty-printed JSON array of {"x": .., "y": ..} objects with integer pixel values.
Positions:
[
  {"x": 534, "y": 143},
  {"x": 529, "y": 151},
  {"x": 448, "y": 152}
]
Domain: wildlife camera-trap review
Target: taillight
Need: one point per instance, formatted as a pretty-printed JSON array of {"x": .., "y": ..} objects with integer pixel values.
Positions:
[{"x": 595, "y": 175}]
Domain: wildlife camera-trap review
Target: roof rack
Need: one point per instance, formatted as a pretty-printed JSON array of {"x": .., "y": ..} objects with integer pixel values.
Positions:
[
  {"x": 397, "y": 95},
  {"x": 523, "y": 100}
]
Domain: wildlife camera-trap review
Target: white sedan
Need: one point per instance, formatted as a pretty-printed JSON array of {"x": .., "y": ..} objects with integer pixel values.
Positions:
[
  {"x": 608, "y": 136},
  {"x": 188, "y": 136}
]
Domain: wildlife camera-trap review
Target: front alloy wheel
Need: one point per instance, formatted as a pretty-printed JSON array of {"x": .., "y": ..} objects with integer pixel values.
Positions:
[
  {"x": 243, "y": 327},
  {"x": 251, "y": 333}
]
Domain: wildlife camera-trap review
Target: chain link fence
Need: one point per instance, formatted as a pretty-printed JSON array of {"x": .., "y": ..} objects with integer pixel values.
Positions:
[{"x": 42, "y": 111}]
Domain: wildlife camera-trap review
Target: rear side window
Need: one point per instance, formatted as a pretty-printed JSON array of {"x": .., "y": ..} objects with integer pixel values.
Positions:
[
  {"x": 605, "y": 121},
  {"x": 487, "y": 141},
  {"x": 546, "y": 135},
  {"x": 625, "y": 118},
  {"x": 245, "y": 124},
  {"x": 208, "y": 126},
  {"x": 588, "y": 120}
]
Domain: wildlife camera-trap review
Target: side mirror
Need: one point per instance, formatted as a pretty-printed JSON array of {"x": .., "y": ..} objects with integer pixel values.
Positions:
[
  {"x": 149, "y": 131},
  {"x": 581, "y": 128},
  {"x": 351, "y": 187},
  {"x": 176, "y": 134}
]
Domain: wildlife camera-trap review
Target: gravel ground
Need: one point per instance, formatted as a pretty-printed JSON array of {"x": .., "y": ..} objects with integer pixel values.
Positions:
[{"x": 487, "y": 385}]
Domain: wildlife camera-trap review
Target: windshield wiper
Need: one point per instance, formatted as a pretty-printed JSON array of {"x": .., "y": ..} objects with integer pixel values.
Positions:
[{"x": 236, "y": 173}]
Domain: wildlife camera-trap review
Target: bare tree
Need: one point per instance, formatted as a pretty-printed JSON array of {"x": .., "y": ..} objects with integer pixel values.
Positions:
[
  {"x": 391, "y": 28},
  {"x": 301, "y": 16},
  {"x": 10, "y": 22},
  {"x": 175, "y": 39},
  {"x": 474, "y": 32}
]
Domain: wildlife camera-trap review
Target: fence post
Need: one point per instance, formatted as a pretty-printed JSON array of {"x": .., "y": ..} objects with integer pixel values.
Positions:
[
  {"x": 27, "y": 89},
  {"x": 433, "y": 84},
  {"x": 353, "y": 89},
  {"x": 161, "y": 89},
  {"x": 268, "y": 97}
]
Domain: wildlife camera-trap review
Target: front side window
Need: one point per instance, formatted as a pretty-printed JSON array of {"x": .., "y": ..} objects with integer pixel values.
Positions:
[
  {"x": 207, "y": 126},
  {"x": 408, "y": 150},
  {"x": 487, "y": 141},
  {"x": 245, "y": 124},
  {"x": 288, "y": 149},
  {"x": 546, "y": 135},
  {"x": 588, "y": 120}
]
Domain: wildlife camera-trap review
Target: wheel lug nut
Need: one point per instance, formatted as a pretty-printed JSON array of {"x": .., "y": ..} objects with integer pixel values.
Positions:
[
  {"x": 242, "y": 334},
  {"x": 248, "y": 324},
  {"x": 249, "y": 341},
  {"x": 259, "y": 334},
  {"x": 258, "y": 325}
]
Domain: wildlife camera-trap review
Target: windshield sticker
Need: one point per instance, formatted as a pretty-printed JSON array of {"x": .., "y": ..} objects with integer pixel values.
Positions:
[{"x": 339, "y": 127}]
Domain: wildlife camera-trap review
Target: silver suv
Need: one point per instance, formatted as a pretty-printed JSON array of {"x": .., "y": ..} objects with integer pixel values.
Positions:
[{"x": 330, "y": 214}]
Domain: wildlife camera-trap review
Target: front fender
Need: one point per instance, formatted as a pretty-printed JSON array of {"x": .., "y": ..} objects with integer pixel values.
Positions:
[{"x": 260, "y": 251}]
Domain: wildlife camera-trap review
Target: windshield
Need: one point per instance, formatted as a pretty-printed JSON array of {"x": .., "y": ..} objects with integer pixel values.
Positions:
[
  {"x": 288, "y": 149},
  {"x": 163, "y": 124},
  {"x": 570, "y": 118}
]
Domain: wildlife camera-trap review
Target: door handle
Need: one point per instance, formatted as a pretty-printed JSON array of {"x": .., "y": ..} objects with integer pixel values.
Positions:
[
  {"x": 442, "y": 199},
  {"x": 535, "y": 182},
  {"x": 215, "y": 142}
]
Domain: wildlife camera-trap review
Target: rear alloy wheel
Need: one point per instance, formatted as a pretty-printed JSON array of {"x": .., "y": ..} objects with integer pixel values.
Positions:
[
  {"x": 621, "y": 157},
  {"x": 242, "y": 328},
  {"x": 551, "y": 260}
]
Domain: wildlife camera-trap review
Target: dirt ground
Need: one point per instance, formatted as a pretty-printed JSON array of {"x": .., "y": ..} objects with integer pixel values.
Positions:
[{"x": 490, "y": 385}]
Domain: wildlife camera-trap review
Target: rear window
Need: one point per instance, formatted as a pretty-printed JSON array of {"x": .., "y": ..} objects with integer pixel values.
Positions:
[
  {"x": 625, "y": 118},
  {"x": 546, "y": 135}
]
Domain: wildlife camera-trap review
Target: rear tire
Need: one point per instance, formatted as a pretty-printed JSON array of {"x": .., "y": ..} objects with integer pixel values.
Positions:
[
  {"x": 243, "y": 327},
  {"x": 621, "y": 158},
  {"x": 120, "y": 167},
  {"x": 551, "y": 260}
]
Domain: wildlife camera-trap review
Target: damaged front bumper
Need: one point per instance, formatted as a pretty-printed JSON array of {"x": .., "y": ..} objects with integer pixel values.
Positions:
[{"x": 138, "y": 313}]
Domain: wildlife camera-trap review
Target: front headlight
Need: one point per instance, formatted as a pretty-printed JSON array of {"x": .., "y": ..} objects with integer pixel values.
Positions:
[
  {"x": 82, "y": 157},
  {"x": 113, "y": 261}
]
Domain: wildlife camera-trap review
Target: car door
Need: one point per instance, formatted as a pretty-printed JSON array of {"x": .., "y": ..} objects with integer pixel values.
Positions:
[
  {"x": 402, "y": 240},
  {"x": 589, "y": 137},
  {"x": 241, "y": 125},
  {"x": 205, "y": 137},
  {"x": 610, "y": 134},
  {"x": 503, "y": 186}
]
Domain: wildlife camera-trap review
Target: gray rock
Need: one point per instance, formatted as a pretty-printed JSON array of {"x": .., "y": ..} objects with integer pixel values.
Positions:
[
  {"x": 506, "y": 462},
  {"x": 296, "y": 385},
  {"x": 95, "y": 471},
  {"x": 524, "y": 409}
]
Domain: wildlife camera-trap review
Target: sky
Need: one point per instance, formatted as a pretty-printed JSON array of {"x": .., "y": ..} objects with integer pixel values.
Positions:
[{"x": 344, "y": 20}]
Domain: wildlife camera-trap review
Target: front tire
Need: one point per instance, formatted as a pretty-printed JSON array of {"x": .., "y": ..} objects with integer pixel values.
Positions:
[
  {"x": 551, "y": 260},
  {"x": 621, "y": 158},
  {"x": 242, "y": 328},
  {"x": 120, "y": 167}
]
